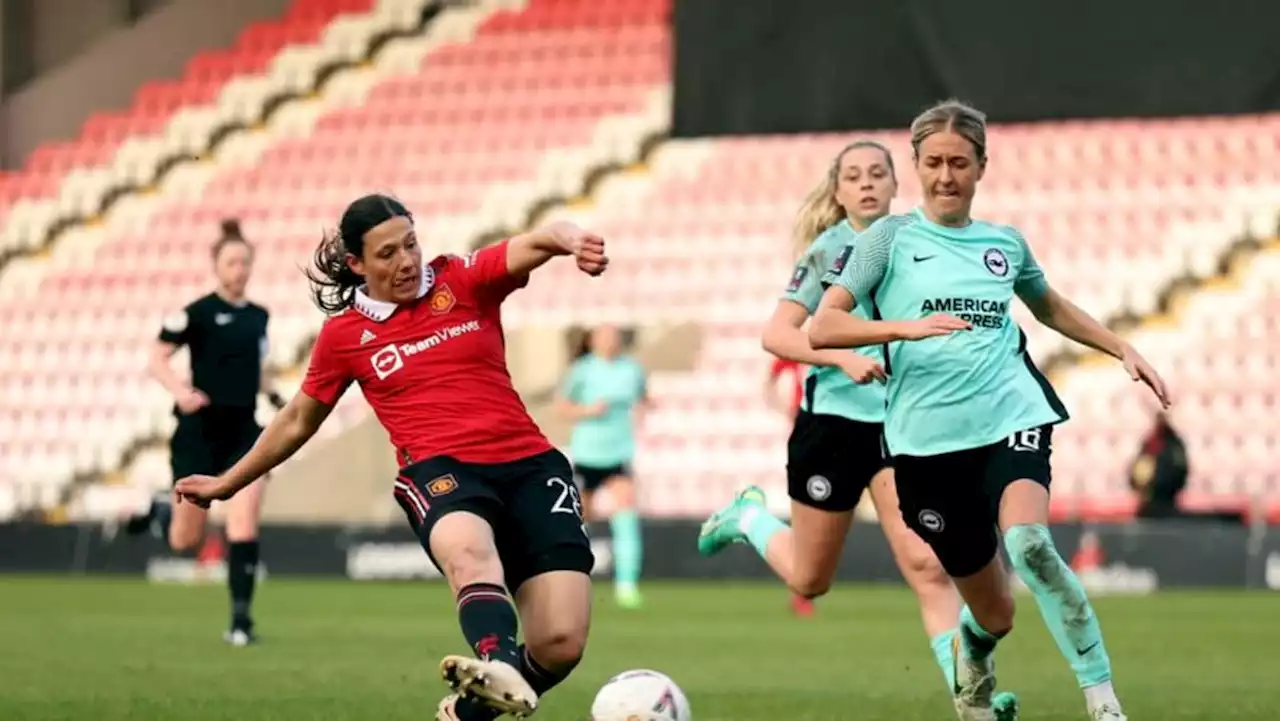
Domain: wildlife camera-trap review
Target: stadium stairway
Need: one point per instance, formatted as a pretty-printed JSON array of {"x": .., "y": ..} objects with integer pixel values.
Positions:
[
  {"x": 70, "y": 183},
  {"x": 1217, "y": 341}
]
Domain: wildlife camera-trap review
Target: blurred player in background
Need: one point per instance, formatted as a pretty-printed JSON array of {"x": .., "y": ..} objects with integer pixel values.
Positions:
[
  {"x": 784, "y": 392},
  {"x": 835, "y": 452},
  {"x": 1159, "y": 472},
  {"x": 491, "y": 500},
  {"x": 970, "y": 419},
  {"x": 604, "y": 396},
  {"x": 226, "y": 336},
  {"x": 784, "y": 386}
]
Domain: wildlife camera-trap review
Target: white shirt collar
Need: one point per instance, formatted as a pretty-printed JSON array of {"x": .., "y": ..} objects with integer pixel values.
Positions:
[{"x": 381, "y": 310}]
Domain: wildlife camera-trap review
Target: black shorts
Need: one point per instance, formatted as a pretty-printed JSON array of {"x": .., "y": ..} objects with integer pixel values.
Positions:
[
  {"x": 831, "y": 460},
  {"x": 532, "y": 505},
  {"x": 211, "y": 440},
  {"x": 591, "y": 478},
  {"x": 952, "y": 500}
]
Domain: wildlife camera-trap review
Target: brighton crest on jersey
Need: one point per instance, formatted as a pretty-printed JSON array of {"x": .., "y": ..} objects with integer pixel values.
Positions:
[
  {"x": 967, "y": 389},
  {"x": 830, "y": 391}
]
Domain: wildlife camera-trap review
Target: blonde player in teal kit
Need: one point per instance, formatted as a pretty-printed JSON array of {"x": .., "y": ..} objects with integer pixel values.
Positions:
[
  {"x": 970, "y": 418},
  {"x": 834, "y": 452},
  {"x": 603, "y": 395}
]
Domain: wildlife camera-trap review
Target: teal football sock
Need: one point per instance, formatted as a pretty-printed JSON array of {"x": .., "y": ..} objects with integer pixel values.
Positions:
[
  {"x": 760, "y": 527},
  {"x": 1062, "y": 601},
  {"x": 977, "y": 641},
  {"x": 945, "y": 655},
  {"x": 628, "y": 547}
]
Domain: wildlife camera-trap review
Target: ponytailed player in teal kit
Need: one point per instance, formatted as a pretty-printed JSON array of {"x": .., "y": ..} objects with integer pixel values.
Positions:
[
  {"x": 834, "y": 453},
  {"x": 604, "y": 395},
  {"x": 969, "y": 418}
]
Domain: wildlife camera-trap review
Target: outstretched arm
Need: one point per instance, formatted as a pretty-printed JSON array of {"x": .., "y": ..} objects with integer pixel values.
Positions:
[
  {"x": 528, "y": 251},
  {"x": 292, "y": 427},
  {"x": 288, "y": 431},
  {"x": 1056, "y": 312}
]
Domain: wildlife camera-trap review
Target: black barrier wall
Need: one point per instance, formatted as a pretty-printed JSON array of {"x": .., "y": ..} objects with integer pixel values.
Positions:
[
  {"x": 758, "y": 66},
  {"x": 1137, "y": 558}
]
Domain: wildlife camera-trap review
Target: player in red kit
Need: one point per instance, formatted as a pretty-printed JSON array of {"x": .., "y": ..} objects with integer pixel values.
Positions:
[
  {"x": 785, "y": 397},
  {"x": 493, "y": 503}
]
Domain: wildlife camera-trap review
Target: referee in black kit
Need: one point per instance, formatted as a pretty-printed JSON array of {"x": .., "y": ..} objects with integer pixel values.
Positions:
[{"x": 227, "y": 338}]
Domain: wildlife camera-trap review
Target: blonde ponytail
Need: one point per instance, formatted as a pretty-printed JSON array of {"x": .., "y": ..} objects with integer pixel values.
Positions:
[{"x": 819, "y": 212}]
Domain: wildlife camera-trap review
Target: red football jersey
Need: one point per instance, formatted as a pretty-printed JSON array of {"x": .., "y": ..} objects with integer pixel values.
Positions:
[
  {"x": 434, "y": 370},
  {"x": 782, "y": 365}
]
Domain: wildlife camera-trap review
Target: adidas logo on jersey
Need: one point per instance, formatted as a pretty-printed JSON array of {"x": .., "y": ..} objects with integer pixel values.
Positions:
[{"x": 366, "y": 336}]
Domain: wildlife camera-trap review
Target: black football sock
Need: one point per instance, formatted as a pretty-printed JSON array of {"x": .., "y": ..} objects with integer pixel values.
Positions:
[
  {"x": 489, "y": 622},
  {"x": 538, "y": 677},
  {"x": 154, "y": 521},
  {"x": 470, "y": 708},
  {"x": 242, "y": 573},
  {"x": 161, "y": 518}
]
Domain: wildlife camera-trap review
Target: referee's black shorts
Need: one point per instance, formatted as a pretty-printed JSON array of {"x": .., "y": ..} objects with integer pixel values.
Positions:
[{"x": 211, "y": 440}]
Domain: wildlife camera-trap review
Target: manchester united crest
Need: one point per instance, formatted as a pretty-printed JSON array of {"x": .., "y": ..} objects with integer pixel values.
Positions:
[{"x": 441, "y": 300}]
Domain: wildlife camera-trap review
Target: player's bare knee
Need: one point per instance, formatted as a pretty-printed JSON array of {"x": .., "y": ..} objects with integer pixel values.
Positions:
[
  {"x": 1034, "y": 556},
  {"x": 183, "y": 540},
  {"x": 926, "y": 575},
  {"x": 463, "y": 546},
  {"x": 559, "y": 648},
  {"x": 811, "y": 583},
  {"x": 471, "y": 562},
  {"x": 622, "y": 494}
]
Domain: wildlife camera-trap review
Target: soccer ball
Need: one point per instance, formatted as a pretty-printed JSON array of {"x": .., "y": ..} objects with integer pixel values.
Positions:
[{"x": 641, "y": 695}]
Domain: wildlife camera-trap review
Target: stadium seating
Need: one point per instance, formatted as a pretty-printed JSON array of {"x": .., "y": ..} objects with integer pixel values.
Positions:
[
  {"x": 705, "y": 236},
  {"x": 470, "y": 129},
  {"x": 500, "y": 105},
  {"x": 175, "y": 118}
]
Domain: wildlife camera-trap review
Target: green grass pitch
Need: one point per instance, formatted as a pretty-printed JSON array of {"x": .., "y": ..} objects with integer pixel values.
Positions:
[{"x": 115, "y": 650}]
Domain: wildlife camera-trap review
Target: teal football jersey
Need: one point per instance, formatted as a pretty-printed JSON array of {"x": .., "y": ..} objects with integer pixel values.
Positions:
[
  {"x": 971, "y": 388},
  {"x": 830, "y": 391},
  {"x": 609, "y": 440}
]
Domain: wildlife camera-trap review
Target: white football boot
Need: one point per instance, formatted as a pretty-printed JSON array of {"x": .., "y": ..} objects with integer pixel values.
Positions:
[
  {"x": 498, "y": 684},
  {"x": 445, "y": 711},
  {"x": 1108, "y": 712},
  {"x": 975, "y": 683}
]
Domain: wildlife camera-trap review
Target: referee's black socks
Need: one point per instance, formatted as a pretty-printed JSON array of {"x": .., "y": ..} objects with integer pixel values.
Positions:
[
  {"x": 242, "y": 573},
  {"x": 489, "y": 622}
]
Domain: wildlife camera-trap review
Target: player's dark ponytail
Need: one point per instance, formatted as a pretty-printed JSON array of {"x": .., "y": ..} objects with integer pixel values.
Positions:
[{"x": 333, "y": 282}]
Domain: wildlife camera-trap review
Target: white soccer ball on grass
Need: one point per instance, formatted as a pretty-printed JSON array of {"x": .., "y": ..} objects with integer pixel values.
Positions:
[{"x": 641, "y": 695}]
